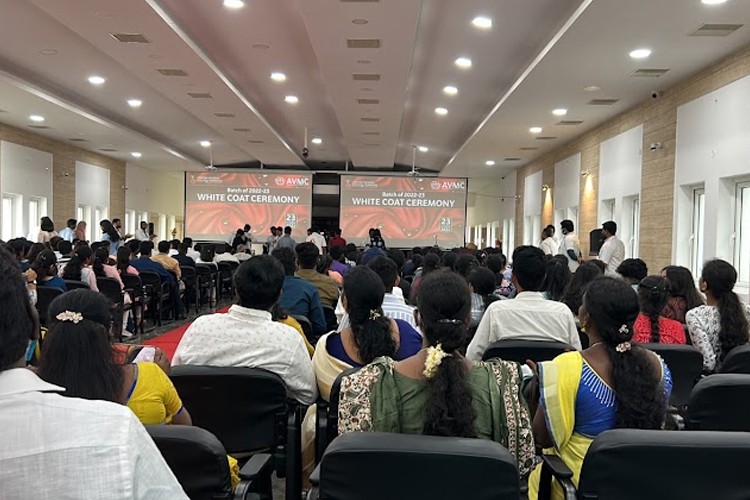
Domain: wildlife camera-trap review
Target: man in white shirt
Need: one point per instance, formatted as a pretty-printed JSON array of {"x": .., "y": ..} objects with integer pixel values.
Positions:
[
  {"x": 191, "y": 252},
  {"x": 570, "y": 246},
  {"x": 247, "y": 336},
  {"x": 548, "y": 245},
  {"x": 54, "y": 446},
  {"x": 528, "y": 316},
  {"x": 313, "y": 236},
  {"x": 612, "y": 252},
  {"x": 141, "y": 234},
  {"x": 69, "y": 232}
]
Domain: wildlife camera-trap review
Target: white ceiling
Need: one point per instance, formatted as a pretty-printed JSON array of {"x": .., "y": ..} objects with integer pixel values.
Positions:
[{"x": 538, "y": 56}]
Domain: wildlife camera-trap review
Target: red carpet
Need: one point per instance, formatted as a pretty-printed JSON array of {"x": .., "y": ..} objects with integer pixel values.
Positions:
[{"x": 168, "y": 341}]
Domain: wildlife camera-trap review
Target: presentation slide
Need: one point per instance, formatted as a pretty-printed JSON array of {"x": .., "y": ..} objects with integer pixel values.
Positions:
[
  {"x": 409, "y": 211},
  {"x": 219, "y": 203}
]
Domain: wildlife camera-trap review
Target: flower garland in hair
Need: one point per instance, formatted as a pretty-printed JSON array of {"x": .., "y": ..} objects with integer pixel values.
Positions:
[
  {"x": 435, "y": 355},
  {"x": 374, "y": 314},
  {"x": 72, "y": 316}
]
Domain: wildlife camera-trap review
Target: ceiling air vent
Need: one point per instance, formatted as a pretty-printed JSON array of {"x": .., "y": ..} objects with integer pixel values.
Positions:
[
  {"x": 224, "y": 115},
  {"x": 370, "y": 133},
  {"x": 172, "y": 72},
  {"x": 363, "y": 43},
  {"x": 546, "y": 138},
  {"x": 528, "y": 148},
  {"x": 200, "y": 95},
  {"x": 39, "y": 127},
  {"x": 108, "y": 150},
  {"x": 512, "y": 159},
  {"x": 370, "y": 120},
  {"x": 368, "y": 101},
  {"x": 366, "y": 77},
  {"x": 76, "y": 139},
  {"x": 130, "y": 38},
  {"x": 570, "y": 122},
  {"x": 244, "y": 130},
  {"x": 255, "y": 141},
  {"x": 360, "y": 1},
  {"x": 602, "y": 102},
  {"x": 648, "y": 73},
  {"x": 716, "y": 29}
]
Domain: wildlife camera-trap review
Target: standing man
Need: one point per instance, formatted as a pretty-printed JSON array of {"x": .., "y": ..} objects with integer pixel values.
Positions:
[
  {"x": 118, "y": 226},
  {"x": 313, "y": 236},
  {"x": 612, "y": 252},
  {"x": 287, "y": 241},
  {"x": 273, "y": 239},
  {"x": 337, "y": 240},
  {"x": 68, "y": 234},
  {"x": 548, "y": 244},
  {"x": 570, "y": 246}
]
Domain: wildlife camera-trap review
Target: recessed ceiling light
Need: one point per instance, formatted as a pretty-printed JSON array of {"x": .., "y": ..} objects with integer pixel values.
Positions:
[
  {"x": 441, "y": 111},
  {"x": 592, "y": 88},
  {"x": 136, "y": 154},
  {"x": 48, "y": 52},
  {"x": 450, "y": 90},
  {"x": 423, "y": 149},
  {"x": 260, "y": 46},
  {"x": 560, "y": 112},
  {"x": 360, "y": 21},
  {"x": 234, "y": 4},
  {"x": 463, "y": 62},
  {"x": 316, "y": 140},
  {"x": 640, "y": 53},
  {"x": 713, "y": 2},
  {"x": 535, "y": 130},
  {"x": 277, "y": 76},
  {"x": 36, "y": 118},
  {"x": 490, "y": 163},
  {"x": 291, "y": 99},
  {"x": 135, "y": 103},
  {"x": 205, "y": 144},
  {"x": 96, "y": 80},
  {"x": 482, "y": 22}
]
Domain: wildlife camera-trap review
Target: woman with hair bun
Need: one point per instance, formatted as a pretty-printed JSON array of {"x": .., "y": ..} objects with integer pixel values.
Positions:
[
  {"x": 612, "y": 384},
  {"x": 722, "y": 324},
  {"x": 651, "y": 326},
  {"x": 437, "y": 391}
]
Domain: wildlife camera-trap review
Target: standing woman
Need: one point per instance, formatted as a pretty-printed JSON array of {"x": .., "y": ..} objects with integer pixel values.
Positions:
[
  {"x": 722, "y": 324},
  {"x": 47, "y": 230},
  {"x": 110, "y": 233},
  {"x": 80, "y": 231}
]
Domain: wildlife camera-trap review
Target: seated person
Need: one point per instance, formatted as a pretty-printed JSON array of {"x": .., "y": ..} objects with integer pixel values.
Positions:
[
  {"x": 280, "y": 315},
  {"x": 650, "y": 326},
  {"x": 45, "y": 267},
  {"x": 144, "y": 263},
  {"x": 482, "y": 283},
  {"x": 577, "y": 402},
  {"x": 632, "y": 271},
  {"x": 79, "y": 267},
  {"x": 248, "y": 336},
  {"x": 84, "y": 449},
  {"x": 224, "y": 254},
  {"x": 163, "y": 258},
  {"x": 437, "y": 391},
  {"x": 683, "y": 295},
  {"x": 528, "y": 316},
  {"x": 573, "y": 295},
  {"x": 307, "y": 259},
  {"x": 298, "y": 296},
  {"x": 182, "y": 257}
]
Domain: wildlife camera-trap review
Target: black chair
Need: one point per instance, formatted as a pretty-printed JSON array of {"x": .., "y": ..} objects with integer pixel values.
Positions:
[
  {"x": 485, "y": 468},
  {"x": 44, "y": 297},
  {"x": 156, "y": 293},
  {"x": 332, "y": 322},
  {"x": 247, "y": 410},
  {"x": 199, "y": 462},
  {"x": 736, "y": 361},
  {"x": 521, "y": 350},
  {"x": 327, "y": 423},
  {"x": 190, "y": 278},
  {"x": 720, "y": 402},
  {"x": 75, "y": 285},
  {"x": 110, "y": 288},
  {"x": 686, "y": 364},
  {"x": 134, "y": 288},
  {"x": 206, "y": 283},
  {"x": 307, "y": 328},
  {"x": 614, "y": 466},
  {"x": 226, "y": 281}
]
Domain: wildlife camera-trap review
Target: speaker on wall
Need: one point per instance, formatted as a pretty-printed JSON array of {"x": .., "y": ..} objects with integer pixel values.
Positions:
[{"x": 596, "y": 240}]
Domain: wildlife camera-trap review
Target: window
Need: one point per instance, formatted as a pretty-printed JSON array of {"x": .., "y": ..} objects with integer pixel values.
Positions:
[
  {"x": 34, "y": 218},
  {"x": 162, "y": 229},
  {"x": 130, "y": 223},
  {"x": 741, "y": 259},
  {"x": 11, "y": 226},
  {"x": 635, "y": 227},
  {"x": 696, "y": 232},
  {"x": 607, "y": 210}
]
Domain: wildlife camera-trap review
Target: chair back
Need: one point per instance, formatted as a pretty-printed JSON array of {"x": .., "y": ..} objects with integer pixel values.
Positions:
[
  {"x": 306, "y": 325},
  {"x": 150, "y": 279},
  {"x": 329, "y": 314},
  {"x": 737, "y": 361},
  {"x": 189, "y": 274},
  {"x": 614, "y": 465},
  {"x": 685, "y": 363},
  {"x": 521, "y": 350},
  {"x": 110, "y": 288},
  {"x": 487, "y": 470},
  {"x": 75, "y": 285},
  {"x": 720, "y": 402},
  {"x": 44, "y": 297},
  {"x": 133, "y": 284},
  {"x": 197, "y": 459},
  {"x": 245, "y": 408}
]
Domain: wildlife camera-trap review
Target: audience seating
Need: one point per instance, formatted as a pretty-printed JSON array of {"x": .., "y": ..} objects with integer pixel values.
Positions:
[
  {"x": 110, "y": 288},
  {"x": 44, "y": 297},
  {"x": 134, "y": 287},
  {"x": 327, "y": 418},
  {"x": 226, "y": 278},
  {"x": 625, "y": 464},
  {"x": 247, "y": 410},
  {"x": 720, "y": 402},
  {"x": 737, "y": 361},
  {"x": 74, "y": 285},
  {"x": 156, "y": 292},
  {"x": 521, "y": 350},
  {"x": 307, "y": 328},
  {"x": 190, "y": 278},
  {"x": 685, "y": 363},
  {"x": 199, "y": 462},
  {"x": 370, "y": 466},
  {"x": 206, "y": 282},
  {"x": 332, "y": 323}
]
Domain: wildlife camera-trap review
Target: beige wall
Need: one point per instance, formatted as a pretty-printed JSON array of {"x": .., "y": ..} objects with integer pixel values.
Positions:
[{"x": 659, "y": 120}]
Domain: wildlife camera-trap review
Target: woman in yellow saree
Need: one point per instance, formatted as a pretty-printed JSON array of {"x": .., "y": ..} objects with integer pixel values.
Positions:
[{"x": 612, "y": 384}]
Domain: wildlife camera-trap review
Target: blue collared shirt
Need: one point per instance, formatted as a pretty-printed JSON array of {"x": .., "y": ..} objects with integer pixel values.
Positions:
[{"x": 300, "y": 297}]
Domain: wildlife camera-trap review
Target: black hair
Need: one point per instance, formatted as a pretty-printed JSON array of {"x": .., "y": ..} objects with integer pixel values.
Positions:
[
  {"x": 336, "y": 253},
  {"x": 398, "y": 257},
  {"x": 529, "y": 267},
  {"x": 258, "y": 282},
  {"x": 79, "y": 356},
  {"x": 610, "y": 226},
  {"x": 371, "y": 329},
  {"x": 47, "y": 224},
  {"x": 188, "y": 241},
  {"x": 567, "y": 224},
  {"x": 123, "y": 259},
  {"x": 287, "y": 258},
  {"x": 484, "y": 282},
  {"x": 449, "y": 259},
  {"x": 163, "y": 246},
  {"x": 548, "y": 231},
  {"x": 44, "y": 265},
  {"x": 64, "y": 247},
  {"x": 350, "y": 247},
  {"x": 72, "y": 270},
  {"x": 633, "y": 269},
  {"x": 324, "y": 264},
  {"x": 682, "y": 284},
  {"x": 109, "y": 228},
  {"x": 573, "y": 295},
  {"x": 612, "y": 307},
  {"x": 144, "y": 249},
  {"x": 72, "y": 223},
  {"x": 720, "y": 277},
  {"x": 307, "y": 255},
  {"x": 598, "y": 263},
  {"x": 174, "y": 243},
  {"x": 430, "y": 263},
  {"x": 101, "y": 256},
  {"x": 19, "y": 322},
  {"x": 464, "y": 264},
  {"x": 444, "y": 318},
  {"x": 556, "y": 279},
  {"x": 653, "y": 292},
  {"x": 133, "y": 246},
  {"x": 35, "y": 250},
  {"x": 386, "y": 269},
  {"x": 496, "y": 262},
  {"x": 207, "y": 253},
  {"x": 287, "y": 230},
  {"x": 182, "y": 248}
]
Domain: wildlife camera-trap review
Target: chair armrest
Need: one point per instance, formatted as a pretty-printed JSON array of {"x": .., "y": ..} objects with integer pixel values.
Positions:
[
  {"x": 557, "y": 466},
  {"x": 255, "y": 477},
  {"x": 321, "y": 428},
  {"x": 315, "y": 476},
  {"x": 259, "y": 464},
  {"x": 553, "y": 466}
]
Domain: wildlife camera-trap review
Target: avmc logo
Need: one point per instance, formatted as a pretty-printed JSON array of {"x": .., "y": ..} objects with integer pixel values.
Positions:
[
  {"x": 457, "y": 184},
  {"x": 292, "y": 181},
  {"x": 280, "y": 181},
  {"x": 435, "y": 185}
]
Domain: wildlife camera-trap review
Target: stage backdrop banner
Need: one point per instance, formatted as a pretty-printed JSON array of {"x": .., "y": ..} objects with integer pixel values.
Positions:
[
  {"x": 219, "y": 203},
  {"x": 409, "y": 211}
]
